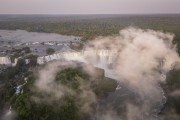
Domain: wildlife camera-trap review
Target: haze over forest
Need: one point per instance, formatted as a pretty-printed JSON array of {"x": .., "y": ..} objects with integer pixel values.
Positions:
[{"x": 89, "y": 6}]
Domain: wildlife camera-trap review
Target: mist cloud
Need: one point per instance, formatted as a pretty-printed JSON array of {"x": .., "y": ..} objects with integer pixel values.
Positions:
[
  {"x": 139, "y": 58},
  {"x": 141, "y": 61},
  {"x": 47, "y": 90}
]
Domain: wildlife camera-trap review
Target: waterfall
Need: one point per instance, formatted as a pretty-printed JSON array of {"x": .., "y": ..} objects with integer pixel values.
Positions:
[{"x": 5, "y": 60}]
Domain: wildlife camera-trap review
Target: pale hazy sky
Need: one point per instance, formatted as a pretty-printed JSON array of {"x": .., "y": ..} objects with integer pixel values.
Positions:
[{"x": 88, "y": 6}]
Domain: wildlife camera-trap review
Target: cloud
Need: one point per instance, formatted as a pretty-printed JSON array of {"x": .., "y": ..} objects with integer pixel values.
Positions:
[
  {"x": 135, "y": 57},
  {"x": 47, "y": 90},
  {"x": 46, "y": 82},
  {"x": 141, "y": 60}
]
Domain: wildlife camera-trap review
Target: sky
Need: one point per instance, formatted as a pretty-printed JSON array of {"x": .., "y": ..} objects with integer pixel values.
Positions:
[{"x": 89, "y": 6}]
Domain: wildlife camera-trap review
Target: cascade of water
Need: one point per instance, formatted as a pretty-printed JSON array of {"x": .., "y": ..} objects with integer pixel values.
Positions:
[{"x": 5, "y": 60}]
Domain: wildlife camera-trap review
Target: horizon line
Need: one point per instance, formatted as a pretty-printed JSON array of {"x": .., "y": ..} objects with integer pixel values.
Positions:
[{"x": 90, "y": 14}]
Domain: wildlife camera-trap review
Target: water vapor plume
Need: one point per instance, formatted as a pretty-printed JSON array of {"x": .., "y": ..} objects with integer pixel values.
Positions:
[
  {"x": 135, "y": 57},
  {"x": 50, "y": 90},
  {"x": 46, "y": 84},
  {"x": 141, "y": 60}
]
